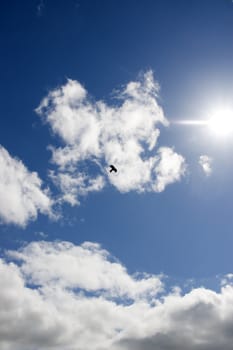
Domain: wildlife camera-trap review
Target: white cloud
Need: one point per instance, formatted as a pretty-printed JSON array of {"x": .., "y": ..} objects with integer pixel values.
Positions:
[
  {"x": 21, "y": 193},
  {"x": 170, "y": 168},
  {"x": 227, "y": 279},
  {"x": 74, "y": 185},
  {"x": 124, "y": 134},
  {"x": 81, "y": 301},
  {"x": 90, "y": 268},
  {"x": 206, "y": 164},
  {"x": 41, "y": 234}
]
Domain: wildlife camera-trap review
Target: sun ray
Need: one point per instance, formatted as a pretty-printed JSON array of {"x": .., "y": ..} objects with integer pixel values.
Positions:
[{"x": 220, "y": 123}]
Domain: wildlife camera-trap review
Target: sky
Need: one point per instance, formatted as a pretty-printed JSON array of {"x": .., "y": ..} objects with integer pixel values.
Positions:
[{"x": 138, "y": 259}]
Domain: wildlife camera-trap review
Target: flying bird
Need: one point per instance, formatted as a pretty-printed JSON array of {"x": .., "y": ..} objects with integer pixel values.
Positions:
[{"x": 112, "y": 168}]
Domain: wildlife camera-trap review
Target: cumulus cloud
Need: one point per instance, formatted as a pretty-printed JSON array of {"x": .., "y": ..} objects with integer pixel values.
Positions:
[
  {"x": 206, "y": 164},
  {"x": 62, "y": 296},
  {"x": 21, "y": 193},
  {"x": 90, "y": 268},
  {"x": 124, "y": 134}
]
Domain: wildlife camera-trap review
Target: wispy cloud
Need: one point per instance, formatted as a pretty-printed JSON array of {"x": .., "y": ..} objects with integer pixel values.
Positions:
[
  {"x": 206, "y": 164},
  {"x": 73, "y": 186},
  {"x": 41, "y": 234},
  {"x": 124, "y": 134},
  {"x": 64, "y": 296},
  {"x": 40, "y": 7}
]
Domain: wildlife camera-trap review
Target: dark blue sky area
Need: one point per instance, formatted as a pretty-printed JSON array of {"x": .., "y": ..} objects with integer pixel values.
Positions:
[{"x": 185, "y": 231}]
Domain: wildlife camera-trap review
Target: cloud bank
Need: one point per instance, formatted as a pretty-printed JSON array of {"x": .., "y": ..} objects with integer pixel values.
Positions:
[
  {"x": 63, "y": 296},
  {"x": 21, "y": 193},
  {"x": 95, "y": 134}
]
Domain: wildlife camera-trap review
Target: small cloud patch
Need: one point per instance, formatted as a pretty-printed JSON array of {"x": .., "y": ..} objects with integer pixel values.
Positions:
[{"x": 206, "y": 164}]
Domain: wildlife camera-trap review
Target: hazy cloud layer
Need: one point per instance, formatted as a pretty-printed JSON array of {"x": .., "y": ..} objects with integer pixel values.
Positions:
[
  {"x": 21, "y": 193},
  {"x": 61, "y": 296},
  {"x": 206, "y": 164},
  {"x": 124, "y": 134}
]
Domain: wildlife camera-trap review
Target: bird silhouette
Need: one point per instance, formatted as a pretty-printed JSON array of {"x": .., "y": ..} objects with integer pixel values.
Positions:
[{"x": 112, "y": 168}]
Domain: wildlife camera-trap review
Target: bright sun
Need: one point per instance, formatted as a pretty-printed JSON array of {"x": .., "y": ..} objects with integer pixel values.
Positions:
[{"x": 221, "y": 123}]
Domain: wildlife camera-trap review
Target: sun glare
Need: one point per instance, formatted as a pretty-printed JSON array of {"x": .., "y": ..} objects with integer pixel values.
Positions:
[{"x": 221, "y": 123}]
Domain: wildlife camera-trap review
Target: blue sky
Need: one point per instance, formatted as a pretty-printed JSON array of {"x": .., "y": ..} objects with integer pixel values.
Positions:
[{"x": 75, "y": 78}]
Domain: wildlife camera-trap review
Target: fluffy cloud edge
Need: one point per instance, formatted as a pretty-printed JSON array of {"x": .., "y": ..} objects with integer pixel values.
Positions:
[
  {"x": 22, "y": 196},
  {"x": 48, "y": 301}
]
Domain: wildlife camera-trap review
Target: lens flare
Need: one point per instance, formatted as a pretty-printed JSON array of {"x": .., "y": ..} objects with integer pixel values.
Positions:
[{"x": 221, "y": 123}]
